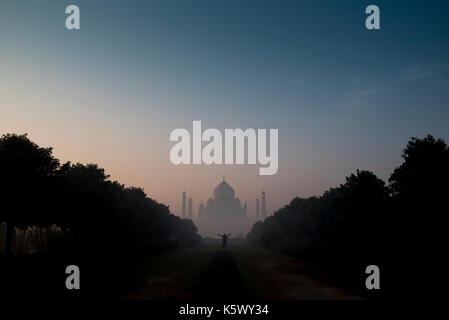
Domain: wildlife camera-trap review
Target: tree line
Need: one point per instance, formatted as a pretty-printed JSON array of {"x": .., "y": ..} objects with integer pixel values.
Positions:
[
  {"x": 96, "y": 213},
  {"x": 364, "y": 220}
]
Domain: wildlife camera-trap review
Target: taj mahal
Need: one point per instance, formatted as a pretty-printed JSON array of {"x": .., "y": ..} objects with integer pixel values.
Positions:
[{"x": 223, "y": 212}]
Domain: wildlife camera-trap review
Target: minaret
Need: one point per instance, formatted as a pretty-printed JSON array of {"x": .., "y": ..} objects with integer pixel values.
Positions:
[
  {"x": 264, "y": 212},
  {"x": 183, "y": 204},
  {"x": 245, "y": 209},
  {"x": 201, "y": 211},
  {"x": 257, "y": 208},
  {"x": 190, "y": 208}
]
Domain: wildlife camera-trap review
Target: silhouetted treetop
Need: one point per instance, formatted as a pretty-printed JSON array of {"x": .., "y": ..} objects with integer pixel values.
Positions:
[
  {"x": 28, "y": 180},
  {"x": 425, "y": 169}
]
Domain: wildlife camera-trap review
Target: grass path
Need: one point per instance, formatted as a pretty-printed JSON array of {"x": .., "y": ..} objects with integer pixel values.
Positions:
[{"x": 240, "y": 272}]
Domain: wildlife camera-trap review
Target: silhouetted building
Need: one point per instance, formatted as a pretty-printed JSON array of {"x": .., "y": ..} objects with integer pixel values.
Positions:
[
  {"x": 223, "y": 212},
  {"x": 245, "y": 208},
  {"x": 190, "y": 208},
  {"x": 257, "y": 209},
  {"x": 224, "y": 204},
  {"x": 201, "y": 211},
  {"x": 264, "y": 208},
  {"x": 183, "y": 204}
]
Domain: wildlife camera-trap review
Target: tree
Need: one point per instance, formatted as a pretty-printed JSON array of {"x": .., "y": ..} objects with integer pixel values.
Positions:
[
  {"x": 27, "y": 177},
  {"x": 424, "y": 173},
  {"x": 185, "y": 232},
  {"x": 417, "y": 216},
  {"x": 359, "y": 209},
  {"x": 345, "y": 221},
  {"x": 419, "y": 188},
  {"x": 106, "y": 214}
]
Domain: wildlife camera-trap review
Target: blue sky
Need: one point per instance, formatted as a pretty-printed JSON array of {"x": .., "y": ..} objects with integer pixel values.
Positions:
[{"x": 342, "y": 97}]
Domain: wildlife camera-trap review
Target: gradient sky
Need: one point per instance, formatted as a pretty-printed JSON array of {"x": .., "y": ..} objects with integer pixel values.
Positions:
[{"x": 343, "y": 98}]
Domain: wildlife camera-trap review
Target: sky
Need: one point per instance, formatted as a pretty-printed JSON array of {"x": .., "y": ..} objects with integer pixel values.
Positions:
[{"x": 342, "y": 97}]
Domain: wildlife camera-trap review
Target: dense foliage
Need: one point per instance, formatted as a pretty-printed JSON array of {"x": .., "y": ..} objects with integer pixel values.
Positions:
[
  {"x": 35, "y": 190},
  {"x": 363, "y": 221},
  {"x": 346, "y": 217}
]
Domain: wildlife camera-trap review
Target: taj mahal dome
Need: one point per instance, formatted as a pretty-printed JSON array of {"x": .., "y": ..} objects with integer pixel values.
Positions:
[{"x": 224, "y": 204}]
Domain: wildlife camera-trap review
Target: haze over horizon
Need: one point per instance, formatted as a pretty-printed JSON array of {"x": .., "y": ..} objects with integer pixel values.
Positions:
[{"x": 343, "y": 98}]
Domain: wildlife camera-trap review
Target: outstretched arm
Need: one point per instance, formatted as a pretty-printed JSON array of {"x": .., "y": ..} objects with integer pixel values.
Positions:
[
  {"x": 220, "y": 235},
  {"x": 229, "y": 234}
]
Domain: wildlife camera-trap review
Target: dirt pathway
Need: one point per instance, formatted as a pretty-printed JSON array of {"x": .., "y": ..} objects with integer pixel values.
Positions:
[
  {"x": 221, "y": 280},
  {"x": 238, "y": 273},
  {"x": 273, "y": 276}
]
